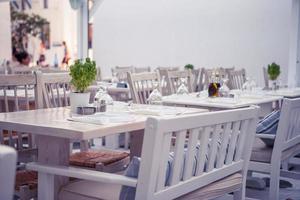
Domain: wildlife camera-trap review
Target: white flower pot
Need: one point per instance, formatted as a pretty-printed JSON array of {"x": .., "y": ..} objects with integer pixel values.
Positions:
[{"x": 79, "y": 99}]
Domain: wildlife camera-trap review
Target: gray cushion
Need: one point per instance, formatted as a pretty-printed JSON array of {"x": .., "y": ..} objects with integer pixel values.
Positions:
[
  {"x": 269, "y": 125},
  {"x": 216, "y": 189},
  {"x": 263, "y": 153}
]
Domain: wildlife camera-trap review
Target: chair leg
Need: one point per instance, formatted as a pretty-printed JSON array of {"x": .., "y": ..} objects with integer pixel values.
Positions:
[
  {"x": 274, "y": 181},
  {"x": 239, "y": 195}
]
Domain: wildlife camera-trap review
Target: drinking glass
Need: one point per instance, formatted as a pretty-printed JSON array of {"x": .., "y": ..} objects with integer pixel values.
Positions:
[{"x": 182, "y": 89}]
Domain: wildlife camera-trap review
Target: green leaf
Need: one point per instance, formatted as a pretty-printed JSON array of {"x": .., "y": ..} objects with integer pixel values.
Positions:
[{"x": 273, "y": 71}]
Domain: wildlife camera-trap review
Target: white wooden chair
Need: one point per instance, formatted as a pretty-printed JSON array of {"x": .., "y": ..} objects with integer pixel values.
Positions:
[
  {"x": 8, "y": 160},
  {"x": 56, "y": 89},
  {"x": 121, "y": 72},
  {"x": 215, "y": 167},
  {"x": 163, "y": 74},
  {"x": 21, "y": 92},
  {"x": 141, "y": 85},
  {"x": 237, "y": 78},
  {"x": 286, "y": 145},
  {"x": 173, "y": 80}
]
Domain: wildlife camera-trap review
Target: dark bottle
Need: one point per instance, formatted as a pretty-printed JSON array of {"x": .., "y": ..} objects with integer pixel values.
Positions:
[{"x": 213, "y": 87}]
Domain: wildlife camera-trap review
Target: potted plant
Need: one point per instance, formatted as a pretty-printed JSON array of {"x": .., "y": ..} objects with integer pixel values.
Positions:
[
  {"x": 189, "y": 66},
  {"x": 273, "y": 72},
  {"x": 83, "y": 74}
]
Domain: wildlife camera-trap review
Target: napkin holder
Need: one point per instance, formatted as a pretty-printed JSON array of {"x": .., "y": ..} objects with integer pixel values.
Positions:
[{"x": 86, "y": 110}]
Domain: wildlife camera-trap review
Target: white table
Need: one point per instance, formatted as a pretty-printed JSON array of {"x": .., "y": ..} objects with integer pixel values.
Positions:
[
  {"x": 54, "y": 133},
  {"x": 220, "y": 103},
  {"x": 285, "y": 92}
]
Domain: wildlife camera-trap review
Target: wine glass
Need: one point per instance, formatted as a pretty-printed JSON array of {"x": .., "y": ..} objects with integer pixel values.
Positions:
[
  {"x": 155, "y": 96},
  {"x": 114, "y": 78},
  {"x": 182, "y": 89},
  {"x": 247, "y": 85},
  {"x": 102, "y": 98},
  {"x": 224, "y": 89}
]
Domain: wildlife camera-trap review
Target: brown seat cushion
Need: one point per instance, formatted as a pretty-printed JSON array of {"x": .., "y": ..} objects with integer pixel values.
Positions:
[
  {"x": 91, "y": 158},
  {"x": 28, "y": 178}
]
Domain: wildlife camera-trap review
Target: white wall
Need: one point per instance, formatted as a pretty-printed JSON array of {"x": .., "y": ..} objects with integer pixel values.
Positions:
[
  {"x": 212, "y": 33},
  {"x": 5, "y": 33}
]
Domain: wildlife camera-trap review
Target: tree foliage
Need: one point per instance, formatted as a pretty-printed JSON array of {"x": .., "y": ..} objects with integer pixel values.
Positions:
[{"x": 23, "y": 24}]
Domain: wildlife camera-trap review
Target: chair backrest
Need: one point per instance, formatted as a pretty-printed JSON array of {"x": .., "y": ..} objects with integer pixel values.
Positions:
[
  {"x": 142, "y": 84},
  {"x": 206, "y": 76},
  {"x": 56, "y": 89},
  {"x": 219, "y": 145},
  {"x": 266, "y": 77},
  {"x": 163, "y": 75},
  {"x": 197, "y": 80},
  {"x": 142, "y": 69},
  {"x": 173, "y": 80},
  {"x": 19, "y": 92},
  {"x": 8, "y": 160},
  {"x": 51, "y": 70},
  {"x": 237, "y": 78},
  {"x": 288, "y": 131},
  {"x": 20, "y": 70},
  {"x": 121, "y": 72}
]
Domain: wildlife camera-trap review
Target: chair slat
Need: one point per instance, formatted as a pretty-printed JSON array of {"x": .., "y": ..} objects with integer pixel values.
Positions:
[
  {"x": 201, "y": 157},
  {"x": 26, "y": 98},
  {"x": 16, "y": 99},
  {"x": 178, "y": 157},
  {"x": 232, "y": 144},
  {"x": 191, "y": 153},
  {"x": 224, "y": 145},
  {"x": 241, "y": 140},
  {"x": 164, "y": 161},
  {"x": 5, "y": 99},
  {"x": 214, "y": 144}
]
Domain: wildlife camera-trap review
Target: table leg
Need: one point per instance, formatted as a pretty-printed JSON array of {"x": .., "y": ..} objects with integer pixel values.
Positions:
[
  {"x": 265, "y": 108},
  {"x": 55, "y": 151},
  {"x": 136, "y": 143}
]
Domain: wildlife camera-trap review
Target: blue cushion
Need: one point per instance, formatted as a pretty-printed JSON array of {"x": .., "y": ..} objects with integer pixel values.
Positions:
[
  {"x": 128, "y": 193},
  {"x": 269, "y": 125}
]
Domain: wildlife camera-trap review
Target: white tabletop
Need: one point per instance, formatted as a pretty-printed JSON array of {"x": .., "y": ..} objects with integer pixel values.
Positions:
[
  {"x": 219, "y": 102},
  {"x": 55, "y": 121},
  {"x": 285, "y": 92}
]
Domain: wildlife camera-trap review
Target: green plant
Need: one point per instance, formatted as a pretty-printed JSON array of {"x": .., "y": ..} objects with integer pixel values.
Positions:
[
  {"x": 189, "y": 66},
  {"x": 83, "y": 74},
  {"x": 273, "y": 71}
]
